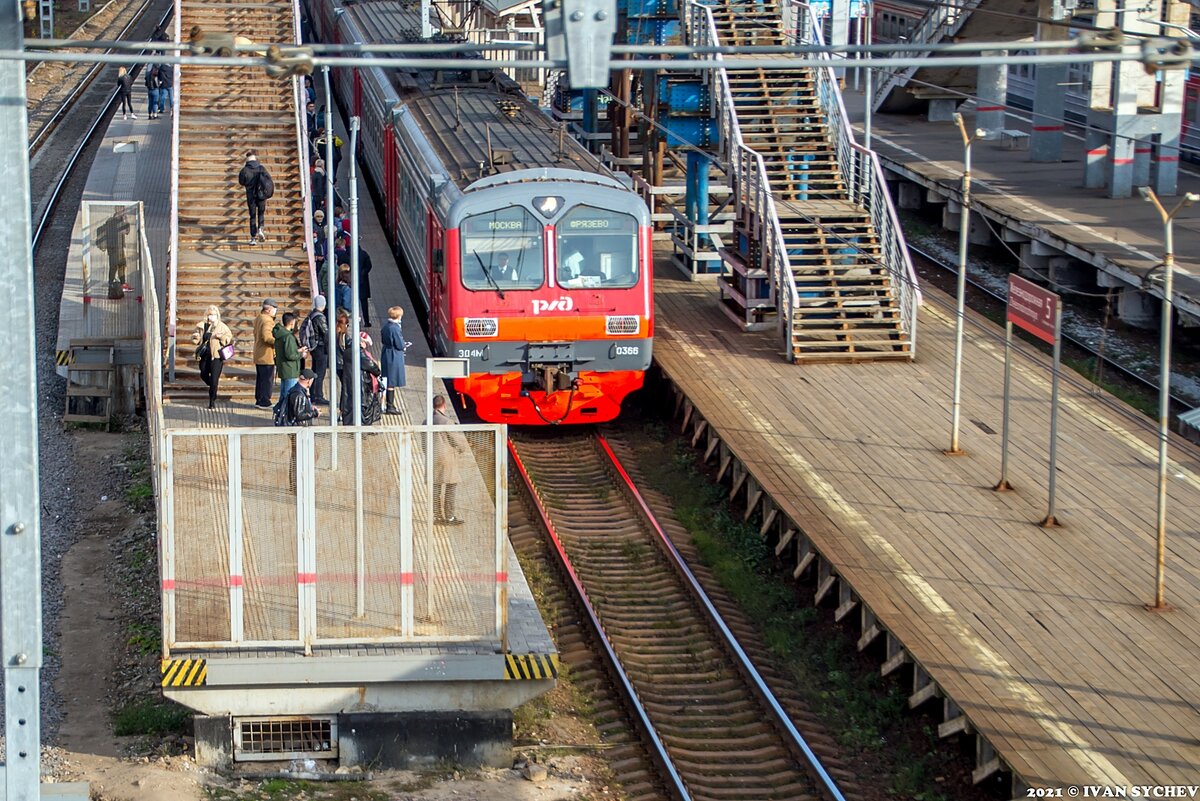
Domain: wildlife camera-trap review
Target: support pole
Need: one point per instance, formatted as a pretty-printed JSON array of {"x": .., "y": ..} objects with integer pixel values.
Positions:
[
  {"x": 1002, "y": 485},
  {"x": 355, "y": 304},
  {"x": 1051, "y": 521},
  {"x": 20, "y": 512},
  {"x": 868, "y": 81},
  {"x": 330, "y": 272},
  {"x": 961, "y": 295},
  {"x": 1164, "y": 416}
]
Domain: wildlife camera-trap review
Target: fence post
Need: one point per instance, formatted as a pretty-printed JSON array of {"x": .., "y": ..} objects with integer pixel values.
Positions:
[{"x": 236, "y": 597}]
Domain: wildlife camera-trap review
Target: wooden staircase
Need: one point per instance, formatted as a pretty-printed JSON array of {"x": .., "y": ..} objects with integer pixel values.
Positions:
[
  {"x": 223, "y": 113},
  {"x": 845, "y": 308}
]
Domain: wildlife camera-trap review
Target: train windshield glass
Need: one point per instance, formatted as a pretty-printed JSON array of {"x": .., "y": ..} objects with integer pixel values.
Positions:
[
  {"x": 502, "y": 250},
  {"x": 597, "y": 249}
]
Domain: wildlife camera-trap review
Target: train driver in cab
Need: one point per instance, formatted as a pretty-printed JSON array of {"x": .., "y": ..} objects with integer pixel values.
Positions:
[{"x": 506, "y": 271}]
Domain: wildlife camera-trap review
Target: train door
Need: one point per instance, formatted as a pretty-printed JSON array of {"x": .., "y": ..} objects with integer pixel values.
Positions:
[
  {"x": 436, "y": 261},
  {"x": 391, "y": 193}
]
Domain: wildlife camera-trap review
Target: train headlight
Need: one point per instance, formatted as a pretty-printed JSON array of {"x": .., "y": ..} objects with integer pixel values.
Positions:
[
  {"x": 622, "y": 326},
  {"x": 481, "y": 326},
  {"x": 547, "y": 205}
]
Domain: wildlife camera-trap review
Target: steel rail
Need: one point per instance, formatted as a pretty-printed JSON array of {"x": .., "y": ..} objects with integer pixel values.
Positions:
[
  {"x": 1028, "y": 350},
  {"x": 56, "y": 192},
  {"x": 91, "y": 75},
  {"x": 665, "y": 763},
  {"x": 715, "y": 619}
]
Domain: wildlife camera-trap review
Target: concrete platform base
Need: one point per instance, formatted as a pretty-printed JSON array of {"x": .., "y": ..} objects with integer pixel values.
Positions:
[{"x": 401, "y": 740}]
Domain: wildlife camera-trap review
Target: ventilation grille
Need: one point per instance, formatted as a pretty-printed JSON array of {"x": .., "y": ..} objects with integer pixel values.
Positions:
[
  {"x": 481, "y": 326},
  {"x": 284, "y": 738},
  {"x": 621, "y": 326}
]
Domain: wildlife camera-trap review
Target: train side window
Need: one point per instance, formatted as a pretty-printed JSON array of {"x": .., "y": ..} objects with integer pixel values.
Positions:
[
  {"x": 597, "y": 249},
  {"x": 502, "y": 249}
]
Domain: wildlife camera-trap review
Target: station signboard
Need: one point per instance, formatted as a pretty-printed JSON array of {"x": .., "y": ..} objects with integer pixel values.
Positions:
[{"x": 1032, "y": 308}]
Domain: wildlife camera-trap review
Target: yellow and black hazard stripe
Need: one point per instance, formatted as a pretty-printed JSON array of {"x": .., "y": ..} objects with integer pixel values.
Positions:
[
  {"x": 528, "y": 667},
  {"x": 184, "y": 672},
  {"x": 62, "y": 357}
]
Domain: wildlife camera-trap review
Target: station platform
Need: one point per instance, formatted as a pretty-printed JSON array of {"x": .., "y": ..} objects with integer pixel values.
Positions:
[
  {"x": 1036, "y": 640},
  {"x": 357, "y": 666},
  {"x": 1044, "y": 204}
]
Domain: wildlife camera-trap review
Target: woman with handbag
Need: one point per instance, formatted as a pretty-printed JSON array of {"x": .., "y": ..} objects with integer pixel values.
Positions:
[{"x": 215, "y": 347}]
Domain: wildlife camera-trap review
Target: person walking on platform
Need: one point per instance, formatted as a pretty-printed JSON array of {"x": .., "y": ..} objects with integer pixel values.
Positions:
[
  {"x": 125, "y": 93},
  {"x": 319, "y": 187},
  {"x": 214, "y": 343},
  {"x": 152, "y": 90},
  {"x": 342, "y": 295},
  {"x": 264, "y": 355},
  {"x": 299, "y": 409},
  {"x": 446, "y": 450},
  {"x": 259, "y": 187},
  {"x": 391, "y": 360},
  {"x": 288, "y": 355},
  {"x": 314, "y": 335},
  {"x": 364, "y": 286},
  {"x": 166, "y": 87}
]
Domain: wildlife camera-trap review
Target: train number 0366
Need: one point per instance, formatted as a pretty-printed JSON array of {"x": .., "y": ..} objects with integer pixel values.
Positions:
[{"x": 628, "y": 350}]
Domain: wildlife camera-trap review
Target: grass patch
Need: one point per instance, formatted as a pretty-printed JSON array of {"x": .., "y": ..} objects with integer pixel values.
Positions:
[
  {"x": 289, "y": 789},
  {"x": 151, "y": 717},
  {"x": 144, "y": 639},
  {"x": 140, "y": 495}
]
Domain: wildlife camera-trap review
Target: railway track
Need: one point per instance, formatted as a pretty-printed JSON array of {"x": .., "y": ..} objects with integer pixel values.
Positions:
[
  {"x": 1178, "y": 405},
  {"x": 77, "y": 119},
  {"x": 712, "y": 723}
]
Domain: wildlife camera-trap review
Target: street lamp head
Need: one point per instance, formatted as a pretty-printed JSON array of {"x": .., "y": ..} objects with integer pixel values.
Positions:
[
  {"x": 981, "y": 134},
  {"x": 1144, "y": 191},
  {"x": 957, "y": 118},
  {"x": 1190, "y": 198}
]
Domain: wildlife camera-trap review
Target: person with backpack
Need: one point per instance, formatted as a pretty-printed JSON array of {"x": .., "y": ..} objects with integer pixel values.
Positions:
[
  {"x": 314, "y": 335},
  {"x": 296, "y": 409},
  {"x": 259, "y": 189},
  {"x": 288, "y": 355},
  {"x": 125, "y": 93},
  {"x": 152, "y": 90}
]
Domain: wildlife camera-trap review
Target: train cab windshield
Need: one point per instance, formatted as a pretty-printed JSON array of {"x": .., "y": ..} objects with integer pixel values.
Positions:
[
  {"x": 597, "y": 249},
  {"x": 502, "y": 250}
]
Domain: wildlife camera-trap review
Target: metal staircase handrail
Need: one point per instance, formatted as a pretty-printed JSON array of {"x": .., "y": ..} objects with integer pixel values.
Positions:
[
  {"x": 748, "y": 172},
  {"x": 302, "y": 139},
  {"x": 939, "y": 22},
  {"x": 173, "y": 263},
  {"x": 863, "y": 175}
]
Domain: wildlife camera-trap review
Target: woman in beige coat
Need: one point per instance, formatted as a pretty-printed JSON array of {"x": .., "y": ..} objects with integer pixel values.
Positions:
[{"x": 212, "y": 337}]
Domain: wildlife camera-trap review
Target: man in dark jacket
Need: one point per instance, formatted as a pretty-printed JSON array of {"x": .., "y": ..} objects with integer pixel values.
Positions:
[
  {"x": 288, "y": 354},
  {"x": 300, "y": 411},
  {"x": 316, "y": 327},
  {"x": 153, "y": 86},
  {"x": 364, "y": 285},
  {"x": 251, "y": 177},
  {"x": 166, "y": 87}
]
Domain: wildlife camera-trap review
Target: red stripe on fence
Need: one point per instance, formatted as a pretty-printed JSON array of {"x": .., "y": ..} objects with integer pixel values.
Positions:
[
  {"x": 1047, "y": 127},
  {"x": 306, "y": 578},
  {"x": 1141, "y": 150},
  {"x": 501, "y": 577},
  {"x": 1168, "y": 158},
  {"x": 989, "y": 108},
  {"x": 235, "y": 581},
  {"x": 168, "y": 584},
  {"x": 1100, "y": 151},
  {"x": 1122, "y": 161}
]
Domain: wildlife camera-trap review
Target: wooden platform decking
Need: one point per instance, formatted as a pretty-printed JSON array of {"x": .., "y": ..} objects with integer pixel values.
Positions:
[{"x": 1039, "y": 635}]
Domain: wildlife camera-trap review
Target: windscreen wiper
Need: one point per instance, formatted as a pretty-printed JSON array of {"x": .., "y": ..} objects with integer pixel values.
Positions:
[{"x": 488, "y": 274}]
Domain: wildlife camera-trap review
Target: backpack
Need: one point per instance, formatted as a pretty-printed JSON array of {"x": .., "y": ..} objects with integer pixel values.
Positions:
[
  {"x": 282, "y": 416},
  {"x": 306, "y": 332},
  {"x": 266, "y": 187}
]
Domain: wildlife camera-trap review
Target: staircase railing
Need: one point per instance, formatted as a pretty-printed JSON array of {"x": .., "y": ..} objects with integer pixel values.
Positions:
[
  {"x": 939, "y": 22},
  {"x": 748, "y": 172},
  {"x": 173, "y": 263},
  {"x": 863, "y": 176},
  {"x": 302, "y": 144}
]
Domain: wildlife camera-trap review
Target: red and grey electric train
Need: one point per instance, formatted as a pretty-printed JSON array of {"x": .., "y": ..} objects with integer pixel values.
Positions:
[{"x": 532, "y": 259}]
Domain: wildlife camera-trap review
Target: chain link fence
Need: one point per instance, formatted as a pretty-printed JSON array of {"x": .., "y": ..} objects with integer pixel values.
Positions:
[
  {"x": 305, "y": 537},
  {"x": 113, "y": 267}
]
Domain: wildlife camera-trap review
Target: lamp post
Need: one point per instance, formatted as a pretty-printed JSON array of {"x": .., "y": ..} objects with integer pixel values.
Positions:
[
  {"x": 1164, "y": 384},
  {"x": 961, "y": 297}
]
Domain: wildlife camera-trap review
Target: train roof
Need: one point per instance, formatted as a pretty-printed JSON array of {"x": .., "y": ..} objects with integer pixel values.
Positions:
[{"x": 461, "y": 111}]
